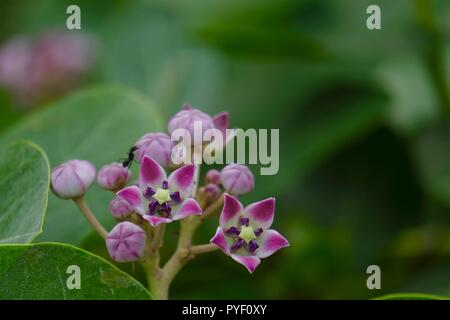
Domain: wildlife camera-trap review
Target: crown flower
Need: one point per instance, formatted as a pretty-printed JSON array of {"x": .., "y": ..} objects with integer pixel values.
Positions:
[
  {"x": 161, "y": 199},
  {"x": 244, "y": 234},
  {"x": 144, "y": 207}
]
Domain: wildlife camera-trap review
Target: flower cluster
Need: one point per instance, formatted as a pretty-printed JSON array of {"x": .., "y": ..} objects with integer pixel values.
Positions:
[{"x": 157, "y": 198}]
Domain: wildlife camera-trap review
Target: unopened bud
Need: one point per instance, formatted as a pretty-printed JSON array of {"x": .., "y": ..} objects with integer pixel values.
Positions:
[
  {"x": 126, "y": 242},
  {"x": 113, "y": 176},
  {"x": 72, "y": 178}
]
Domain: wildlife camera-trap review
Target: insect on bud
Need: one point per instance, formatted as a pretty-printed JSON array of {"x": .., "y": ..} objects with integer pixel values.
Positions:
[
  {"x": 237, "y": 179},
  {"x": 72, "y": 178},
  {"x": 120, "y": 208},
  {"x": 126, "y": 242},
  {"x": 113, "y": 176}
]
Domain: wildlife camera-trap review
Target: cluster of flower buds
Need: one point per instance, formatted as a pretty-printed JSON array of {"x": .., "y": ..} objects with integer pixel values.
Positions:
[
  {"x": 158, "y": 198},
  {"x": 37, "y": 70}
]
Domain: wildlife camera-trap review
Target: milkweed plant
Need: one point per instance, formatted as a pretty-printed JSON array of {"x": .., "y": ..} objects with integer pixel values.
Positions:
[{"x": 169, "y": 191}]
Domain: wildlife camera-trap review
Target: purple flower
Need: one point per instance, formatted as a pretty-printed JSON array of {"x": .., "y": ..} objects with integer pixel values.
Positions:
[
  {"x": 113, "y": 176},
  {"x": 72, "y": 178},
  {"x": 162, "y": 199},
  {"x": 126, "y": 242},
  {"x": 120, "y": 208},
  {"x": 237, "y": 179},
  {"x": 157, "y": 146},
  {"x": 244, "y": 233}
]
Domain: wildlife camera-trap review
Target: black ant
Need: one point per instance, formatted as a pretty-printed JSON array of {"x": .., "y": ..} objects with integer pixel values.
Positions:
[{"x": 129, "y": 161}]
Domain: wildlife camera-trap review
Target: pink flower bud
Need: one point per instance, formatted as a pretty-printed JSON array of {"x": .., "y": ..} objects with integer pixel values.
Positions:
[
  {"x": 212, "y": 191},
  {"x": 113, "y": 176},
  {"x": 213, "y": 176},
  {"x": 186, "y": 118},
  {"x": 126, "y": 242},
  {"x": 120, "y": 208},
  {"x": 209, "y": 193},
  {"x": 157, "y": 146},
  {"x": 237, "y": 179},
  {"x": 72, "y": 178}
]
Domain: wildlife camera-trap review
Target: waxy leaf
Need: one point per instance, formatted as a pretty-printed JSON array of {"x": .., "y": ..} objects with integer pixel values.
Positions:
[
  {"x": 410, "y": 296},
  {"x": 24, "y": 185},
  {"x": 62, "y": 272}
]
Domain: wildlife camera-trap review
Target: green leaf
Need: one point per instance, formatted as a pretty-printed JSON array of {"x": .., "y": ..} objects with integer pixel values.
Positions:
[
  {"x": 98, "y": 125},
  {"x": 39, "y": 271},
  {"x": 410, "y": 296},
  {"x": 413, "y": 105},
  {"x": 24, "y": 186},
  {"x": 325, "y": 126},
  {"x": 432, "y": 154}
]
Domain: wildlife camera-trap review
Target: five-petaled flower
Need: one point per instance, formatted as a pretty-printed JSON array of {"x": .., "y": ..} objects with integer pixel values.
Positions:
[
  {"x": 161, "y": 199},
  {"x": 244, "y": 233}
]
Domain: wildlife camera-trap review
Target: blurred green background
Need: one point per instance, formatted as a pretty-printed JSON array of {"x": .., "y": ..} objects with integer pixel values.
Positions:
[{"x": 364, "y": 119}]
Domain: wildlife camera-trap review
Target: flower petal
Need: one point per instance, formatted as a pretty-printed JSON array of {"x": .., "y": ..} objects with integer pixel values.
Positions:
[
  {"x": 133, "y": 195},
  {"x": 155, "y": 220},
  {"x": 250, "y": 262},
  {"x": 220, "y": 240},
  {"x": 270, "y": 242},
  {"x": 182, "y": 180},
  {"x": 261, "y": 213},
  {"x": 220, "y": 121},
  {"x": 187, "y": 208},
  {"x": 230, "y": 212},
  {"x": 151, "y": 173}
]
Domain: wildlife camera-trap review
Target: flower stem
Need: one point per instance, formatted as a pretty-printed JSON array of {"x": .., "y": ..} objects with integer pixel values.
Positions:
[
  {"x": 158, "y": 236},
  {"x": 82, "y": 205},
  {"x": 203, "y": 248}
]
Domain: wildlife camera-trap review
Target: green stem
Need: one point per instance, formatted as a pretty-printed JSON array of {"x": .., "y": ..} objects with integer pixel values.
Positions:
[{"x": 82, "y": 205}]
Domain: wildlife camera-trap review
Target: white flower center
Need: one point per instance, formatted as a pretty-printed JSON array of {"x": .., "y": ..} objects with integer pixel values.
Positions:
[
  {"x": 247, "y": 234},
  {"x": 162, "y": 195}
]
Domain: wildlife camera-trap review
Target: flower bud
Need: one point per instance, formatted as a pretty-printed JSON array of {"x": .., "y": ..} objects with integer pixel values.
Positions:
[
  {"x": 72, "y": 178},
  {"x": 208, "y": 194},
  {"x": 157, "y": 146},
  {"x": 125, "y": 242},
  {"x": 120, "y": 208},
  {"x": 113, "y": 176},
  {"x": 187, "y": 118},
  {"x": 212, "y": 176},
  {"x": 237, "y": 179},
  {"x": 212, "y": 191}
]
